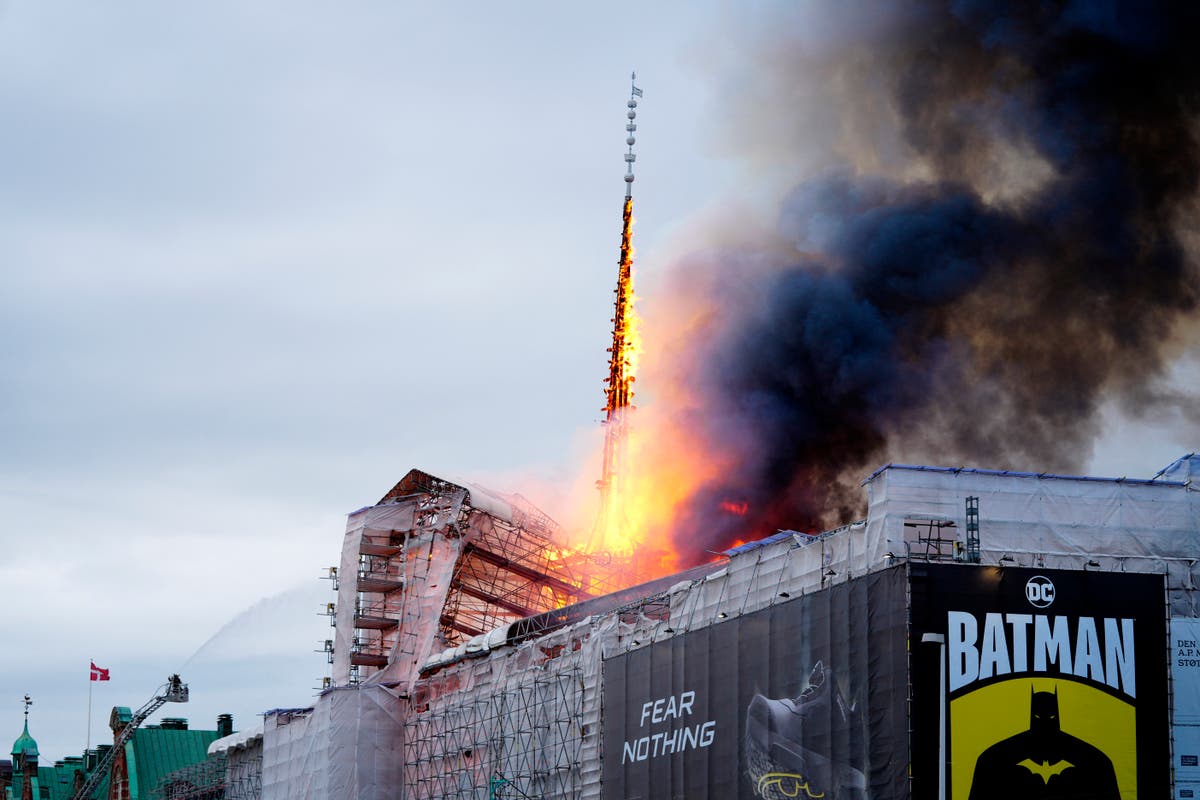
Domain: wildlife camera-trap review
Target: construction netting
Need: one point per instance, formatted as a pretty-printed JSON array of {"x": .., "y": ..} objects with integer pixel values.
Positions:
[
  {"x": 1040, "y": 521},
  {"x": 346, "y": 745},
  {"x": 517, "y": 711}
]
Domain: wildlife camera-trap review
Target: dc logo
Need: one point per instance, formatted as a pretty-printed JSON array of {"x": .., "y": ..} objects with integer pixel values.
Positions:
[{"x": 1039, "y": 591}]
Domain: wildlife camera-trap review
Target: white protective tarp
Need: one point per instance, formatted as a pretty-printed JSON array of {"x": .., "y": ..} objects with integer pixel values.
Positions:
[
  {"x": 235, "y": 741},
  {"x": 346, "y": 746},
  {"x": 1183, "y": 470},
  {"x": 379, "y": 520},
  {"x": 1046, "y": 520},
  {"x": 1049, "y": 521},
  {"x": 1042, "y": 514},
  {"x": 1025, "y": 519},
  {"x": 292, "y": 752}
]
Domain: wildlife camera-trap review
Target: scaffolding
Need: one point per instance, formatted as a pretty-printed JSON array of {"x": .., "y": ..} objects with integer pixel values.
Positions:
[
  {"x": 204, "y": 780},
  {"x": 434, "y": 565},
  {"x": 936, "y": 539},
  {"x": 244, "y": 775},
  {"x": 520, "y": 711},
  {"x": 523, "y": 740},
  {"x": 503, "y": 574},
  {"x": 971, "y": 548}
]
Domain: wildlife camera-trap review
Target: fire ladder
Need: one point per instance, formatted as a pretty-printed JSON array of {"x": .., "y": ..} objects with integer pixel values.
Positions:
[{"x": 173, "y": 691}]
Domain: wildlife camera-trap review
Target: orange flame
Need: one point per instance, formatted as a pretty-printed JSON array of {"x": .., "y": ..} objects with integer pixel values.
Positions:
[
  {"x": 622, "y": 363},
  {"x": 734, "y": 508},
  {"x": 609, "y": 533},
  {"x": 650, "y": 465}
]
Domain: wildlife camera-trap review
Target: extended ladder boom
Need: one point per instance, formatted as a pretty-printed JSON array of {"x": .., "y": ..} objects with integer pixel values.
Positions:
[{"x": 173, "y": 691}]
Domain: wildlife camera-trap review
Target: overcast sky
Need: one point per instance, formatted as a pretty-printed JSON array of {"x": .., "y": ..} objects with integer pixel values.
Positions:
[
  {"x": 257, "y": 260},
  {"x": 260, "y": 259}
]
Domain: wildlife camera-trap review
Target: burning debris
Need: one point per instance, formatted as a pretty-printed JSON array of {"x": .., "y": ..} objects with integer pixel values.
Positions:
[{"x": 971, "y": 292}]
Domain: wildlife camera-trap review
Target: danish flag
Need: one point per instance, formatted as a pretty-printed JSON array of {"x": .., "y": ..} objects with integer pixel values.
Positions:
[{"x": 99, "y": 673}]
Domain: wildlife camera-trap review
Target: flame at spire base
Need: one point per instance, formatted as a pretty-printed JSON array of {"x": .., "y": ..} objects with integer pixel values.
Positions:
[
  {"x": 629, "y": 496},
  {"x": 609, "y": 528}
]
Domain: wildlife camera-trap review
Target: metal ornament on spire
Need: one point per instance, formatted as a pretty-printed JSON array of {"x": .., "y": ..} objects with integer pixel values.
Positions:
[{"x": 631, "y": 129}]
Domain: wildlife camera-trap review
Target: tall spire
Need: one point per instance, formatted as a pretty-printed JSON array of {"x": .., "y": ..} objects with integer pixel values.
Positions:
[{"x": 618, "y": 395}]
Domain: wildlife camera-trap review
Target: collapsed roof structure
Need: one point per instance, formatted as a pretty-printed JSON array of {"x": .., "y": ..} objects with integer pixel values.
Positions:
[{"x": 434, "y": 565}]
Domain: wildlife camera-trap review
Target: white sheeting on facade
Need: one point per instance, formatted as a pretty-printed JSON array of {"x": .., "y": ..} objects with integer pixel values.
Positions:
[
  {"x": 487, "y": 501},
  {"x": 236, "y": 741},
  {"x": 471, "y": 717},
  {"x": 1053, "y": 522},
  {"x": 346, "y": 746},
  {"x": 292, "y": 750},
  {"x": 1183, "y": 470},
  {"x": 371, "y": 520},
  {"x": 1049, "y": 521},
  {"x": 430, "y": 563},
  {"x": 347, "y": 595}
]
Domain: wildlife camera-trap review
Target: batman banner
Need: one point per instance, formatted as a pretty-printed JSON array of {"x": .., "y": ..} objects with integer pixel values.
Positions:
[
  {"x": 805, "y": 699},
  {"x": 1039, "y": 684}
]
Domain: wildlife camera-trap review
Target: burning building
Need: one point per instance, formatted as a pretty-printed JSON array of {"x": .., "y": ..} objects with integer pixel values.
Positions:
[
  {"x": 892, "y": 658},
  {"x": 838, "y": 633}
]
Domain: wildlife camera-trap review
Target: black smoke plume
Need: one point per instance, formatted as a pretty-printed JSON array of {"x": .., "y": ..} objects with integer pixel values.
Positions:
[{"x": 1032, "y": 262}]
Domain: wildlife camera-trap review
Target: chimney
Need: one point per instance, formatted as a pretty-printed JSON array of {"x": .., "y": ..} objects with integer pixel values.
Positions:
[{"x": 224, "y": 725}]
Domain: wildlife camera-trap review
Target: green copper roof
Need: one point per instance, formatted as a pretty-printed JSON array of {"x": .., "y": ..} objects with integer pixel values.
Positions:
[
  {"x": 25, "y": 743},
  {"x": 152, "y": 754},
  {"x": 155, "y": 752},
  {"x": 58, "y": 781}
]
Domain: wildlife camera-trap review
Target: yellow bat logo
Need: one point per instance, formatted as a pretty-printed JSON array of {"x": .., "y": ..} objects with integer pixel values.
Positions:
[
  {"x": 789, "y": 784},
  {"x": 1044, "y": 769}
]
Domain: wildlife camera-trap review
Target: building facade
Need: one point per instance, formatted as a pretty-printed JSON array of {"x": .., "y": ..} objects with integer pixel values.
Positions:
[{"x": 978, "y": 629}]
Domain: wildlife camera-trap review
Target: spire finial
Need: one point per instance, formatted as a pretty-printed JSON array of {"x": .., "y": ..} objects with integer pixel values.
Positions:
[
  {"x": 631, "y": 128},
  {"x": 28, "y": 703}
]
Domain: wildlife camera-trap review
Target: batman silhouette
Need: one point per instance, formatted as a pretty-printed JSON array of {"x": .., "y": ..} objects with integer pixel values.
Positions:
[
  {"x": 1044, "y": 763},
  {"x": 808, "y": 747}
]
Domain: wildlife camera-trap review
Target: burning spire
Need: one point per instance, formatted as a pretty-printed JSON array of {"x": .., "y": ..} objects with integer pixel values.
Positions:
[{"x": 618, "y": 395}]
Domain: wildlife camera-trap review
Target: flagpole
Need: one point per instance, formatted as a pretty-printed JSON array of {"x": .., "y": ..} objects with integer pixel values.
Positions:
[{"x": 89, "y": 733}]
